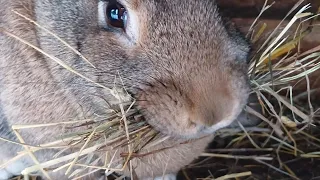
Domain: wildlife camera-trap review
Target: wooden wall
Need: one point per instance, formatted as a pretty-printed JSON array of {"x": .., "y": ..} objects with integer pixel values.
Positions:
[{"x": 251, "y": 8}]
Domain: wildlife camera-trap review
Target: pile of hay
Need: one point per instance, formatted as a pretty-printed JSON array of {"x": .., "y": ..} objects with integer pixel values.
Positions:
[{"x": 288, "y": 131}]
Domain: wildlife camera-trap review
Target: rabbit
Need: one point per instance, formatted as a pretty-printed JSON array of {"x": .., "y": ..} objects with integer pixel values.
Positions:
[{"x": 186, "y": 69}]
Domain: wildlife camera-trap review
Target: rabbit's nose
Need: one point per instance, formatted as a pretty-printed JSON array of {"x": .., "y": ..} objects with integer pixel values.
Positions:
[
  {"x": 208, "y": 114},
  {"x": 213, "y": 104},
  {"x": 204, "y": 116}
]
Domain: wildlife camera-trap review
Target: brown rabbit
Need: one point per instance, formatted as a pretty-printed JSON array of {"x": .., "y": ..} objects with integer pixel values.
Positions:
[{"x": 185, "y": 67}]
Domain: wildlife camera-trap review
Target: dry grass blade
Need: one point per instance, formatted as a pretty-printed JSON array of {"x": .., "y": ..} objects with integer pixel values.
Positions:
[
  {"x": 277, "y": 42},
  {"x": 34, "y": 158},
  {"x": 80, "y": 151},
  {"x": 236, "y": 157},
  {"x": 277, "y": 169},
  {"x": 236, "y": 175},
  {"x": 264, "y": 8}
]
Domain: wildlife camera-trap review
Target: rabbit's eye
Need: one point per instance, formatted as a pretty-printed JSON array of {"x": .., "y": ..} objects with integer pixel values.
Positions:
[{"x": 116, "y": 15}]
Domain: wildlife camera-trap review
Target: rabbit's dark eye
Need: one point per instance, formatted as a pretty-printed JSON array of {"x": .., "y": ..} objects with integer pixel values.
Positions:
[{"x": 116, "y": 15}]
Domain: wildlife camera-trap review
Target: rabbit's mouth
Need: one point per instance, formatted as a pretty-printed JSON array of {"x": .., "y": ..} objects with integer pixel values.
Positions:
[{"x": 185, "y": 128}]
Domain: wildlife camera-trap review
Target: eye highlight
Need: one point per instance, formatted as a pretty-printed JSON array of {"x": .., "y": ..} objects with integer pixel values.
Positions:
[{"x": 116, "y": 15}]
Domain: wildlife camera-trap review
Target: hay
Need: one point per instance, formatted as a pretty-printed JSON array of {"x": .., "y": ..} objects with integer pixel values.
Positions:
[{"x": 286, "y": 126}]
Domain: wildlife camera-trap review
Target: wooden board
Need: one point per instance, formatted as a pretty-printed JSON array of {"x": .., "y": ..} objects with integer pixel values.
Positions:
[{"x": 251, "y": 8}]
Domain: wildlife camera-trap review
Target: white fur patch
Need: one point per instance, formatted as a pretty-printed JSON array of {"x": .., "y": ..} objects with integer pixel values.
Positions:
[
  {"x": 16, "y": 168},
  {"x": 132, "y": 28},
  {"x": 102, "y": 13},
  {"x": 165, "y": 177},
  {"x": 4, "y": 175},
  {"x": 12, "y": 169}
]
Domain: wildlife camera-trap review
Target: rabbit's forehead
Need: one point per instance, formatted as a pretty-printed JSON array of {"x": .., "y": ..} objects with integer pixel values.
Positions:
[
  {"x": 181, "y": 8},
  {"x": 171, "y": 15},
  {"x": 175, "y": 15},
  {"x": 131, "y": 3}
]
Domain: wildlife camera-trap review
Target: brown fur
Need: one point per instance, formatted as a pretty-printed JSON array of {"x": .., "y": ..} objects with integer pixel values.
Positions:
[{"x": 186, "y": 71}]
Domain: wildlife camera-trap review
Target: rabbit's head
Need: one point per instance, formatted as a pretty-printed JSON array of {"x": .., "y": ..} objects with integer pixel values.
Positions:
[{"x": 185, "y": 68}]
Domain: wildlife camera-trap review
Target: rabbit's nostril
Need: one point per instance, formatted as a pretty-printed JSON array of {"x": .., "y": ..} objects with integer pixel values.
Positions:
[
  {"x": 192, "y": 123},
  {"x": 203, "y": 117},
  {"x": 209, "y": 118}
]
